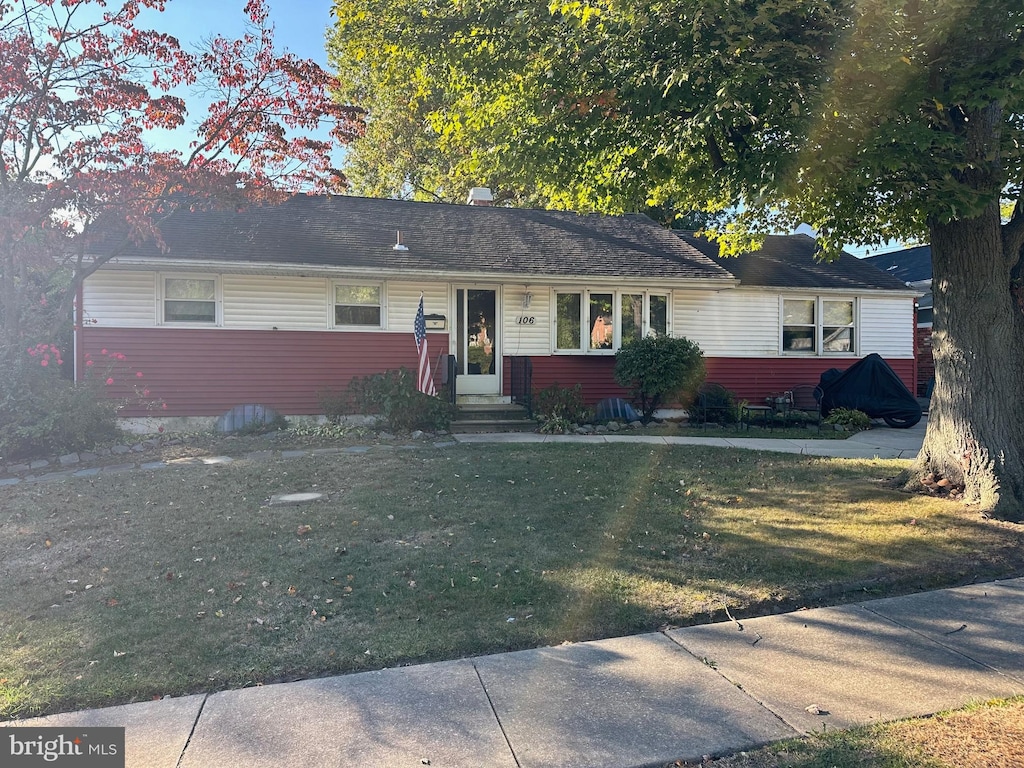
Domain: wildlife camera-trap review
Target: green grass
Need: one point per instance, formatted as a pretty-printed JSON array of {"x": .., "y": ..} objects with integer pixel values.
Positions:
[
  {"x": 988, "y": 734},
  {"x": 128, "y": 586}
]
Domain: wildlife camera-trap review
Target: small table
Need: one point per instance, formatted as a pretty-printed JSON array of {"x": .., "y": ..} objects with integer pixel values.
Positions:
[{"x": 750, "y": 412}]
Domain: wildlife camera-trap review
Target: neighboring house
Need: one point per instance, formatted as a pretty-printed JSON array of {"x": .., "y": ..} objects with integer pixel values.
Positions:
[
  {"x": 914, "y": 267},
  {"x": 275, "y": 304}
]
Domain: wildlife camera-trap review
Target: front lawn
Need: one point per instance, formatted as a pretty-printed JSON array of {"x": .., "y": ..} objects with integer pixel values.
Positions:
[
  {"x": 989, "y": 735},
  {"x": 123, "y": 587}
]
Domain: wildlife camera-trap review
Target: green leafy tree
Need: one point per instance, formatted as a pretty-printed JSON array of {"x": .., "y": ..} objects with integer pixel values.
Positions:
[
  {"x": 659, "y": 368},
  {"x": 871, "y": 121}
]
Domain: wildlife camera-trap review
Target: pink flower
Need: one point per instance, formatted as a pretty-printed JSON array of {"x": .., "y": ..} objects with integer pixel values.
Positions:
[
  {"x": 164, "y": 406},
  {"x": 160, "y": 428},
  {"x": 44, "y": 363},
  {"x": 145, "y": 393},
  {"x": 89, "y": 363},
  {"x": 103, "y": 351},
  {"x": 138, "y": 374},
  {"x": 119, "y": 356},
  {"x": 109, "y": 382}
]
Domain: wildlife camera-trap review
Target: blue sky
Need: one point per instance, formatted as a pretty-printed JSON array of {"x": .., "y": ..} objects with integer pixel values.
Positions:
[{"x": 300, "y": 24}]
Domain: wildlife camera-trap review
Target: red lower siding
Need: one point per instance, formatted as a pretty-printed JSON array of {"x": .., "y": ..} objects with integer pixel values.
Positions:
[
  {"x": 755, "y": 379},
  {"x": 751, "y": 379},
  {"x": 595, "y": 373},
  {"x": 206, "y": 372}
]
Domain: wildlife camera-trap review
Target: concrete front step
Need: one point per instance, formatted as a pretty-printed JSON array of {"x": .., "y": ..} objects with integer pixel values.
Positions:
[
  {"x": 492, "y": 417},
  {"x": 491, "y": 412},
  {"x": 464, "y": 426}
]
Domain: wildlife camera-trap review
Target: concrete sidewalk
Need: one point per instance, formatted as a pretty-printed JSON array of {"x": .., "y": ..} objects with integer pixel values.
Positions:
[
  {"x": 644, "y": 700},
  {"x": 878, "y": 442}
]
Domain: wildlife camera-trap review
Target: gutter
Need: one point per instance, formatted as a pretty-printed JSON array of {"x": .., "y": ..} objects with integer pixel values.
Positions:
[{"x": 317, "y": 270}]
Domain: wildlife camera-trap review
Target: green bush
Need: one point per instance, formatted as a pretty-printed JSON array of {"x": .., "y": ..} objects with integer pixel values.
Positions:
[
  {"x": 393, "y": 396},
  {"x": 658, "y": 368},
  {"x": 849, "y": 418},
  {"x": 561, "y": 406},
  {"x": 42, "y": 413}
]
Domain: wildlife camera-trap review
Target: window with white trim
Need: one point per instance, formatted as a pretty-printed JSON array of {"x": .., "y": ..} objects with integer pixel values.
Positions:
[
  {"x": 359, "y": 305},
  {"x": 819, "y": 326},
  {"x": 602, "y": 321},
  {"x": 190, "y": 300}
]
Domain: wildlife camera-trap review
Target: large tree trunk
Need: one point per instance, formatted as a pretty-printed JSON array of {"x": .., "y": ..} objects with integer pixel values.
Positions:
[{"x": 975, "y": 433}]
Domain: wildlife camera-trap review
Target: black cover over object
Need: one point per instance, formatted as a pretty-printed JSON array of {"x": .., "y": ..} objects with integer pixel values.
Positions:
[{"x": 870, "y": 386}]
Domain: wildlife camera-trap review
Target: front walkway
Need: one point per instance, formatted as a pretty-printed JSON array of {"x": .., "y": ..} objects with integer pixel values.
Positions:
[{"x": 879, "y": 442}]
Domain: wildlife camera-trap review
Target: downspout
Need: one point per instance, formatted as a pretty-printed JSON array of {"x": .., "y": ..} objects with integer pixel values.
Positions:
[
  {"x": 917, "y": 352},
  {"x": 76, "y": 335}
]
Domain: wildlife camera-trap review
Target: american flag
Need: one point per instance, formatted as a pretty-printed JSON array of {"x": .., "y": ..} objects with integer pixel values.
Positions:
[{"x": 424, "y": 380}]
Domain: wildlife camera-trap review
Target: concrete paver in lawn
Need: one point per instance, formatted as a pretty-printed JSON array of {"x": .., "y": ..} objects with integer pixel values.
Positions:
[
  {"x": 395, "y": 717},
  {"x": 631, "y": 701},
  {"x": 155, "y": 732},
  {"x": 853, "y": 664},
  {"x": 985, "y": 622}
]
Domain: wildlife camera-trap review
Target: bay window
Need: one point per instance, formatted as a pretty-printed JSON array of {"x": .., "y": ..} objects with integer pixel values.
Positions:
[{"x": 603, "y": 321}]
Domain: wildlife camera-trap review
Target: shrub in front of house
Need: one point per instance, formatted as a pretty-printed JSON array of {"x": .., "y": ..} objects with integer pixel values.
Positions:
[
  {"x": 660, "y": 370},
  {"x": 43, "y": 413},
  {"x": 393, "y": 397},
  {"x": 850, "y": 419},
  {"x": 559, "y": 408}
]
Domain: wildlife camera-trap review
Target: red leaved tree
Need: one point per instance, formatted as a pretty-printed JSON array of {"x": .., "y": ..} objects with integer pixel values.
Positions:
[{"x": 84, "y": 96}]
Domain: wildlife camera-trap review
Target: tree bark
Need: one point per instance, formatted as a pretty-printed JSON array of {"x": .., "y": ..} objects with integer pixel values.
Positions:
[{"x": 975, "y": 432}]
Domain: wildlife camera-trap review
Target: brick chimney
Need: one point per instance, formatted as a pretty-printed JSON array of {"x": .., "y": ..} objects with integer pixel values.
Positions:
[{"x": 480, "y": 196}]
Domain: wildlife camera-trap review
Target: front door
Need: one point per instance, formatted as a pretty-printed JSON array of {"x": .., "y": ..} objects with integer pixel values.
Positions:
[{"x": 477, "y": 344}]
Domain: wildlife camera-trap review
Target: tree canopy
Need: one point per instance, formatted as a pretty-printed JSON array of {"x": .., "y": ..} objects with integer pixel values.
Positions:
[
  {"x": 849, "y": 116},
  {"x": 83, "y": 96},
  {"x": 870, "y": 120}
]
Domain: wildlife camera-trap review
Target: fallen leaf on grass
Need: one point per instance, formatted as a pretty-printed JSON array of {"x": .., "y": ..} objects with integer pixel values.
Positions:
[{"x": 302, "y": 530}]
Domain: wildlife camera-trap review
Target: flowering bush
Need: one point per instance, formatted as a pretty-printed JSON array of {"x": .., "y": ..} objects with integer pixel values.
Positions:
[{"x": 43, "y": 412}]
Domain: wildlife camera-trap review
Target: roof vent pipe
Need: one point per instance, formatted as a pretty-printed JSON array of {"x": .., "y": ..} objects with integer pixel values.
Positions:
[{"x": 480, "y": 196}]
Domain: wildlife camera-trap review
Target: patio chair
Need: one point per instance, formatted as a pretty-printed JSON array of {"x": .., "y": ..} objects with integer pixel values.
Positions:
[
  {"x": 805, "y": 405},
  {"x": 714, "y": 403}
]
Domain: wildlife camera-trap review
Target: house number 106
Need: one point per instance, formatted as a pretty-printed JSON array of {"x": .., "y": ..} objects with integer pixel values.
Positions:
[{"x": 525, "y": 320}]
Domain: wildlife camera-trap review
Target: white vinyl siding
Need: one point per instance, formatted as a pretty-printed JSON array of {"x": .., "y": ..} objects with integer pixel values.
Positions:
[
  {"x": 122, "y": 299},
  {"x": 266, "y": 302},
  {"x": 730, "y": 323},
  {"x": 403, "y": 299},
  {"x": 527, "y": 329},
  {"x": 887, "y": 327}
]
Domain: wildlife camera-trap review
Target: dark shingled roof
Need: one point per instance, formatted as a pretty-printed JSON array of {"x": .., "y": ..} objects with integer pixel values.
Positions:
[
  {"x": 910, "y": 265},
  {"x": 358, "y": 232},
  {"x": 788, "y": 261}
]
